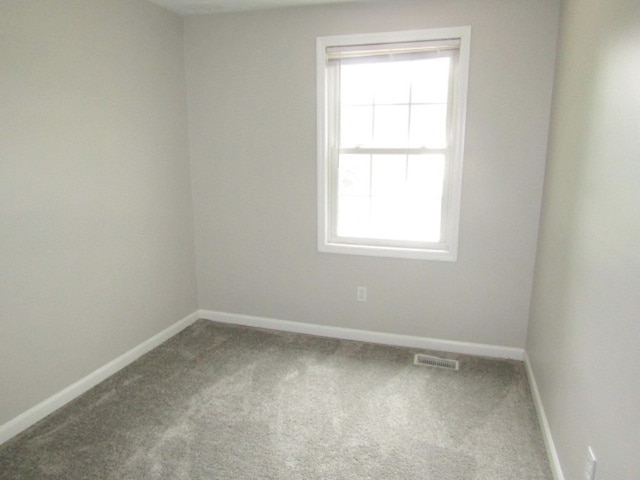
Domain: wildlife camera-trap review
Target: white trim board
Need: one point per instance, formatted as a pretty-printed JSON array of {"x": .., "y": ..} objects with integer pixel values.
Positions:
[
  {"x": 57, "y": 400},
  {"x": 54, "y": 402},
  {"x": 552, "y": 453},
  {"x": 366, "y": 335}
]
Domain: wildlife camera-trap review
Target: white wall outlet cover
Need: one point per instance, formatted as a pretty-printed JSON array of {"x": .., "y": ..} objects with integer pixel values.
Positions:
[{"x": 361, "y": 294}]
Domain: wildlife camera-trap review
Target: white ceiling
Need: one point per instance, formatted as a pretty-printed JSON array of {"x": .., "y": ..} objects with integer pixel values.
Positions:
[{"x": 190, "y": 7}]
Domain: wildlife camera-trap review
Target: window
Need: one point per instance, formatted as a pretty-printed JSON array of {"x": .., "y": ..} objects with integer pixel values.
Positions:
[{"x": 391, "y": 111}]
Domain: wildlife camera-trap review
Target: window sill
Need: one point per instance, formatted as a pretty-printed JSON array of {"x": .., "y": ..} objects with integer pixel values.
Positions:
[{"x": 447, "y": 255}]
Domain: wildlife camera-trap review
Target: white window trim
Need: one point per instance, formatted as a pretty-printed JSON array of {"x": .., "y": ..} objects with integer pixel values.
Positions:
[{"x": 447, "y": 250}]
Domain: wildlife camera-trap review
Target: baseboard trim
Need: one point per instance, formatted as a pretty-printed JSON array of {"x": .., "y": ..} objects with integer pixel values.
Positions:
[
  {"x": 552, "y": 453},
  {"x": 366, "y": 335},
  {"x": 46, "y": 407},
  {"x": 57, "y": 400}
]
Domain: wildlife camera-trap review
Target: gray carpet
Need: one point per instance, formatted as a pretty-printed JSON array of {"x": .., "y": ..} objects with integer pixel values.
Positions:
[{"x": 226, "y": 402}]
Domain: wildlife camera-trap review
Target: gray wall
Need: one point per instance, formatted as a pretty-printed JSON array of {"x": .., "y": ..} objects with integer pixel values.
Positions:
[
  {"x": 96, "y": 235},
  {"x": 584, "y": 327},
  {"x": 252, "y": 122}
]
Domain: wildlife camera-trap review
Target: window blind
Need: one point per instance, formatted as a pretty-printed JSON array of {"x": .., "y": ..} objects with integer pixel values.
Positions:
[{"x": 391, "y": 52}]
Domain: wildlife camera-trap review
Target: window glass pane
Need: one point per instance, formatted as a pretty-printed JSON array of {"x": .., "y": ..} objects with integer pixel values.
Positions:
[
  {"x": 356, "y": 86},
  {"x": 353, "y": 216},
  {"x": 430, "y": 80},
  {"x": 356, "y": 126},
  {"x": 391, "y": 126},
  {"x": 429, "y": 126},
  {"x": 424, "y": 221},
  {"x": 387, "y": 217},
  {"x": 392, "y": 82},
  {"x": 406, "y": 201},
  {"x": 389, "y": 174},
  {"x": 425, "y": 177},
  {"x": 404, "y": 218},
  {"x": 354, "y": 175}
]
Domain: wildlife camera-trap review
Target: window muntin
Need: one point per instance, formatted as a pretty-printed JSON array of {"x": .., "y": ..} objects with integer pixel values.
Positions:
[{"x": 391, "y": 113}]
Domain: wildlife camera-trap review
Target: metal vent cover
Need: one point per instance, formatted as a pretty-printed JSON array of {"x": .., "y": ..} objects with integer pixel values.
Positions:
[{"x": 431, "y": 361}]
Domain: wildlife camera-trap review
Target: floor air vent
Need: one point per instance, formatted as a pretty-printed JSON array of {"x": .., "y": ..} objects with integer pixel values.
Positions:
[{"x": 430, "y": 361}]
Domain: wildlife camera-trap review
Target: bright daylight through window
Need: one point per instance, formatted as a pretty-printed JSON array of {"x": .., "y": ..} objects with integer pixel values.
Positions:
[{"x": 391, "y": 111}]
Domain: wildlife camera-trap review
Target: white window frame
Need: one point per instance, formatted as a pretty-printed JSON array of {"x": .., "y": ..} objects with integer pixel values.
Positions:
[{"x": 447, "y": 248}]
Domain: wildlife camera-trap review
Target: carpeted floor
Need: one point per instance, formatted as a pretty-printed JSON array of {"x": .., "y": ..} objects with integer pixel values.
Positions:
[{"x": 224, "y": 402}]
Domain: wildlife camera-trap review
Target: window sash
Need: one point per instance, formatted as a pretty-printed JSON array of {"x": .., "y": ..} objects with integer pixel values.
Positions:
[
  {"x": 333, "y": 236},
  {"x": 396, "y": 52}
]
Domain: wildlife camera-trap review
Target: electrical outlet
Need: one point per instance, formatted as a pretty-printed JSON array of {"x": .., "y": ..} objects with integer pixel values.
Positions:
[
  {"x": 590, "y": 468},
  {"x": 361, "y": 294}
]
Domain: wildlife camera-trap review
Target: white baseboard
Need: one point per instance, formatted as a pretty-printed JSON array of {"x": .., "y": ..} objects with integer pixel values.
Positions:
[
  {"x": 54, "y": 402},
  {"x": 57, "y": 400},
  {"x": 552, "y": 453},
  {"x": 366, "y": 335}
]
